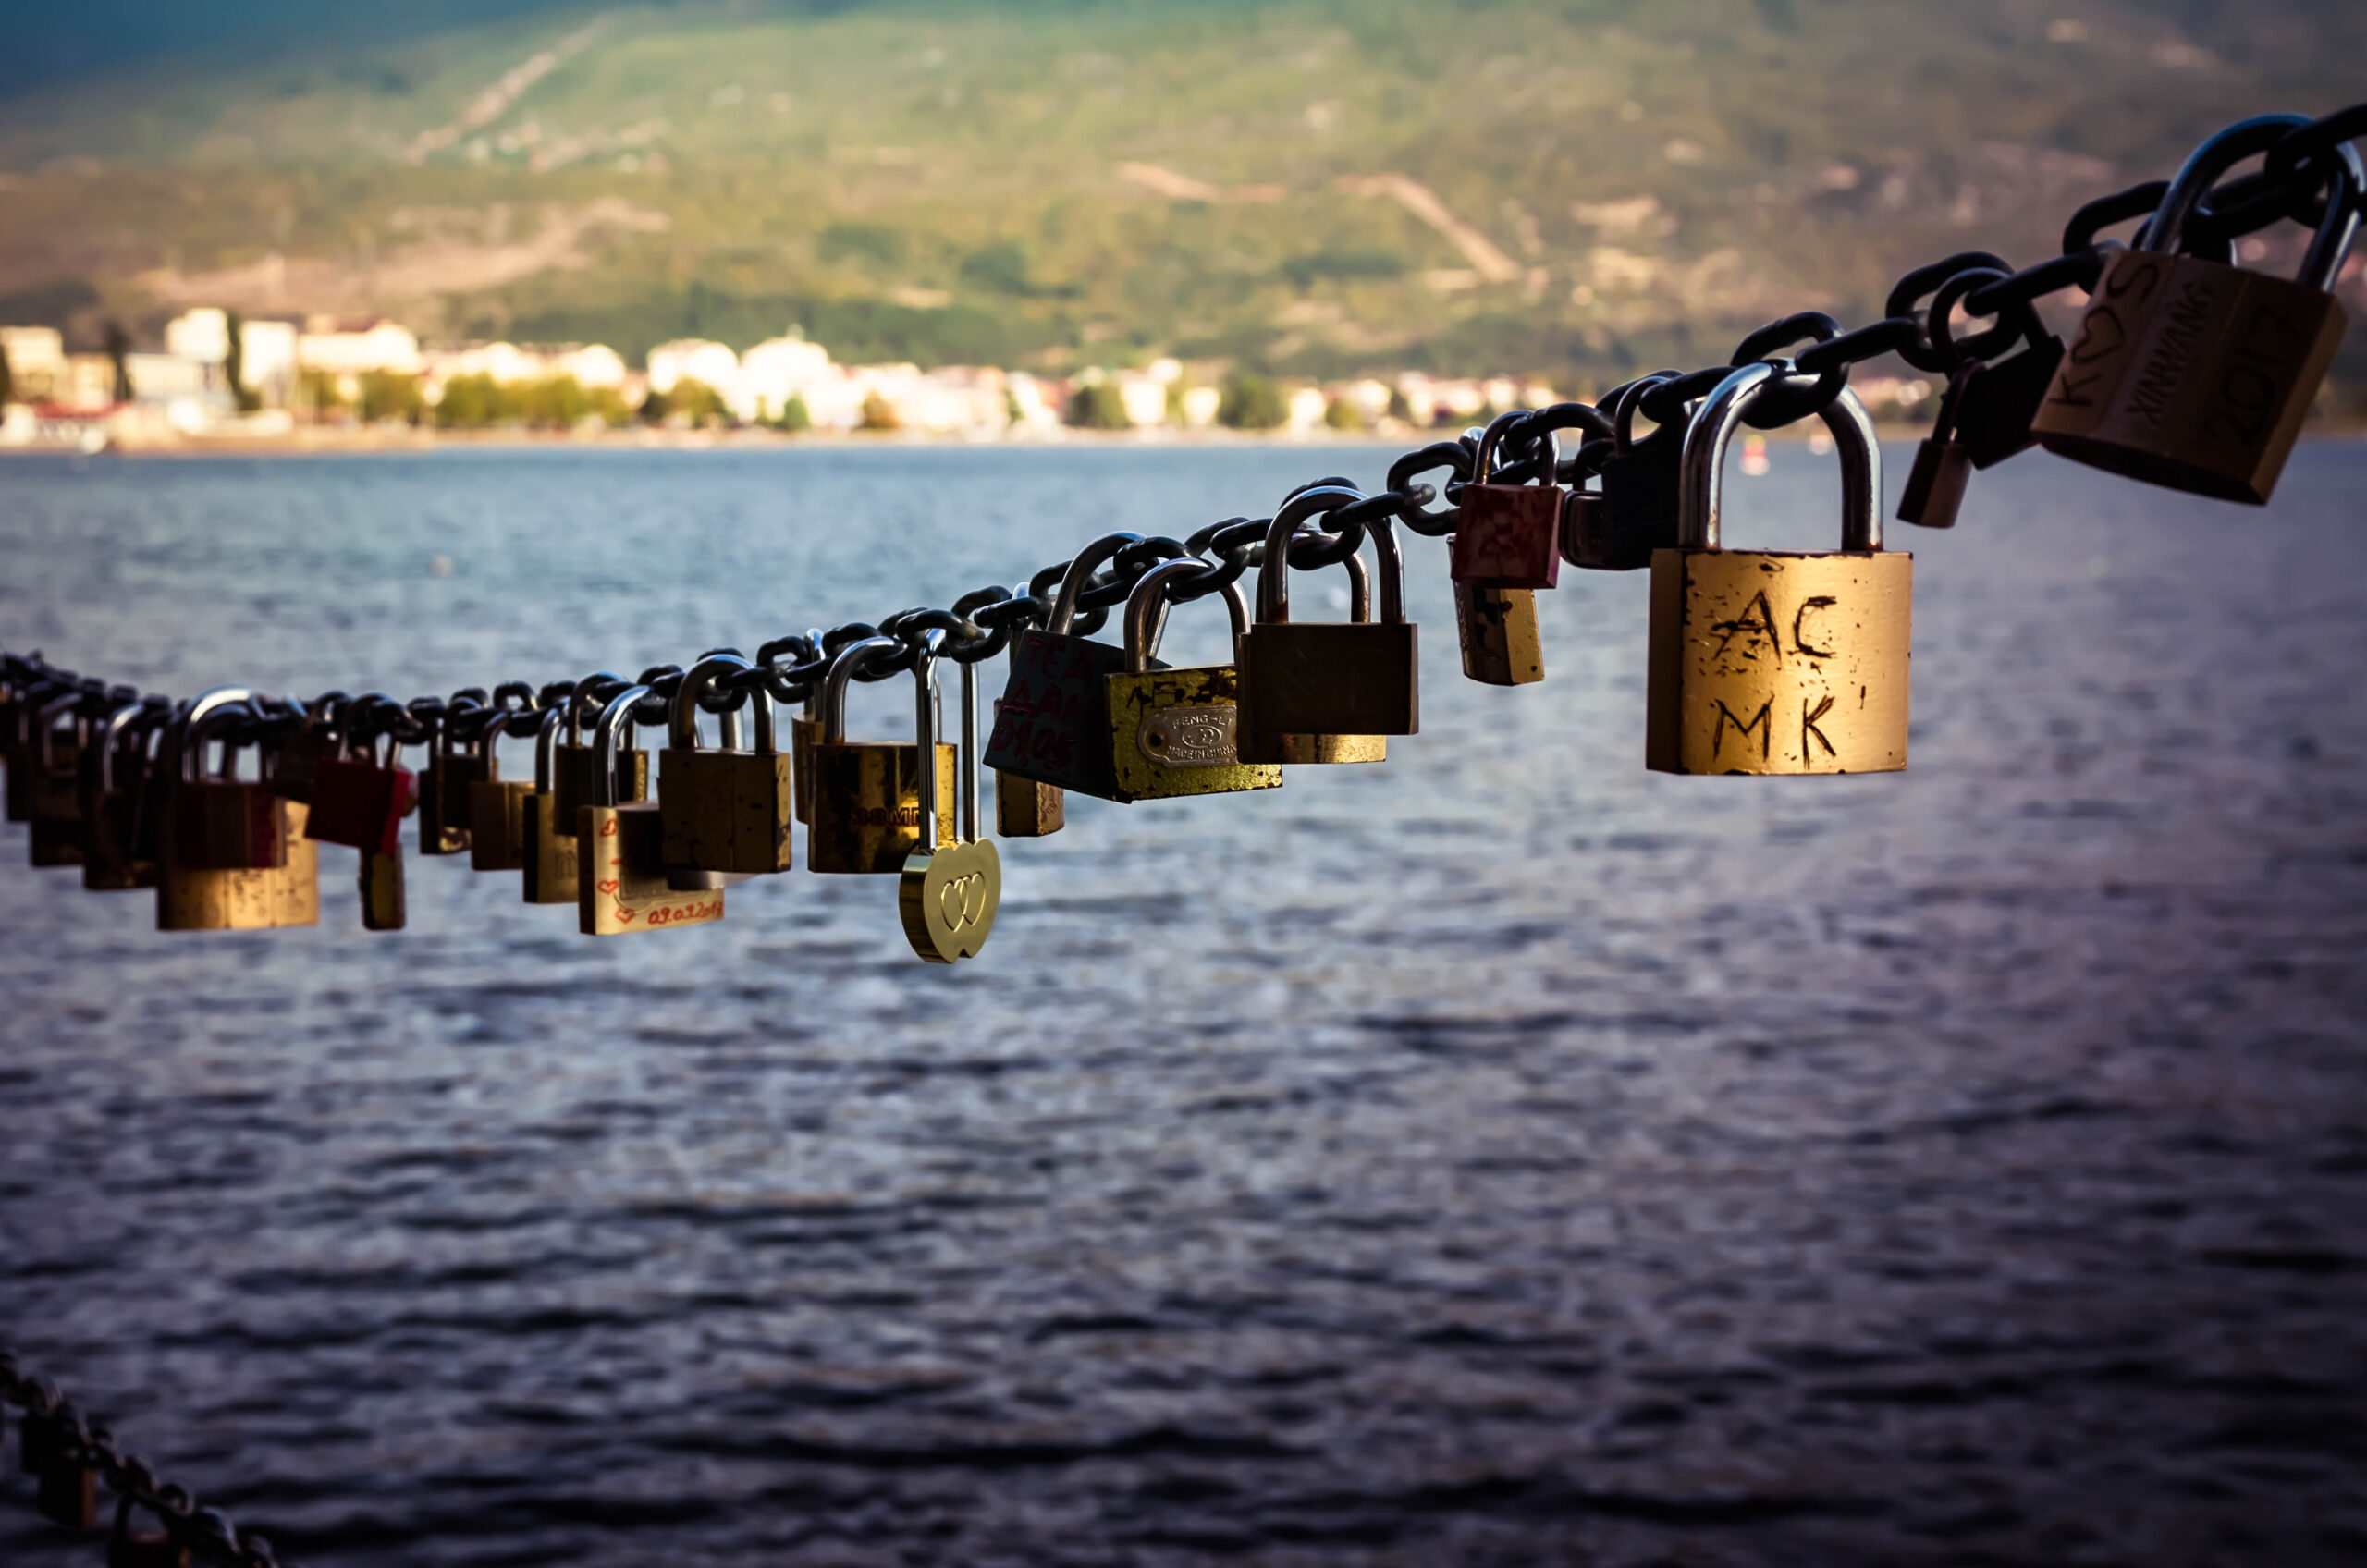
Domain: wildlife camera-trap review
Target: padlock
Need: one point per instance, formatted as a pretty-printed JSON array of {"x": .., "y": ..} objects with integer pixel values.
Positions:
[
  {"x": 1993, "y": 422},
  {"x": 193, "y": 896},
  {"x": 130, "y": 1547},
  {"x": 23, "y": 708},
  {"x": 1935, "y": 485},
  {"x": 497, "y": 806},
  {"x": 225, "y": 823},
  {"x": 866, "y": 794},
  {"x": 54, "y": 777},
  {"x": 726, "y": 810},
  {"x": 1497, "y": 629},
  {"x": 116, "y": 854},
  {"x": 56, "y": 1454},
  {"x": 1051, "y": 722},
  {"x": 952, "y": 885},
  {"x": 1763, "y": 661},
  {"x": 455, "y": 760},
  {"x": 801, "y": 723},
  {"x": 1508, "y": 535},
  {"x": 1635, "y": 512},
  {"x": 1175, "y": 731},
  {"x": 1325, "y": 691},
  {"x": 577, "y": 777},
  {"x": 621, "y": 846},
  {"x": 359, "y": 797},
  {"x": 302, "y": 753},
  {"x": 2192, "y": 373},
  {"x": 549, "y": 850}
]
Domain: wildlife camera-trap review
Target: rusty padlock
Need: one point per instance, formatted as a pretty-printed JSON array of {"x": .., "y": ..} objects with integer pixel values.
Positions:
[
  {"x": 1508, "y": 535},
  {"x": 1051, "y": 723},
  {"x": 1176, "y": 733},
  {"x": 1325, "y": 692}
]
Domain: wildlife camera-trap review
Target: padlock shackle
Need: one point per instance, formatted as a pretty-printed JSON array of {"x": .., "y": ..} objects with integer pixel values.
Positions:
[
  {"x": 185, "y": 736},
  {"x": 1701, "y": 495},
  {"x": 1623, "y": 412},
  {"x": 1274, "y": 572},
  {"x": 608, "y": 738},
  {"x": 578, "y": 703},
  {"x": 1081, "y": 566},
  {"x": 2222, "y": 152},
  {"x": 1147, "y": 609},
  {"x": 112, "y": 731},
  {"x": 45, "y": 722},
  {"x": 834, "y": 685},
  {"x": 547, "y": 741},
  {"x": 1483, "y": 462},
  {"x": 924, "y": 727},
  {"x": 682, "y": 713}
]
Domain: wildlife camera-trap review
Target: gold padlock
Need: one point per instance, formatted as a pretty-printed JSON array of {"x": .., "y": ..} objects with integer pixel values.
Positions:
[
  {"x": 726, "y": 810},
  {"x": 113, "y": 785},
  {"x": 2192, "y": 373},
  {"x": 1497, "y": 628},
  {"x": 951, "y": 885},
  {"x": 621, "y": 885},
  {"x": 548, "y": 849},
  {"x": 497, "y": 806},
  {"x": 1327, "y": 691},
  {"x": 1176, "y": 733},
  {"x": 444, "y": 783},
  {"x": 196, "y": 898},
  {"x": 866, "y": 793},
  {"x": 1767, "y": 661}
]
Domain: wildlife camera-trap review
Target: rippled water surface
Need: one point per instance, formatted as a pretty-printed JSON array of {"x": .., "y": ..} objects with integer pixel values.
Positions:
[{"x": 1502, "y": 1155}]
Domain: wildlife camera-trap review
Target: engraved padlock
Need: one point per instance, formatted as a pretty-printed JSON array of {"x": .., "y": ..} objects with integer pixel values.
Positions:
[
  {"x": 191, "y": 896},
  {"x": 1508, "y": 535},
  {"x": 2193, "y": 373},
  {"x": 952, "y": 885},
  {"x": 866, "y": 793},
  {"x": 1327, "y": 691},
  {"x": 1764, "y": 661},
  {"x": 1050, "y": 724},
  {"x": 726, "y": 810},
  {"x": 621, "y": 885},
  {"x": 1174, "y": 731}
]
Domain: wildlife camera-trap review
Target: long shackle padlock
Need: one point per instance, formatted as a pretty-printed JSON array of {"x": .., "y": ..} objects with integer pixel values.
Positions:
[
  {"x": 949, "y": 892},
  {"x": 621, "y": 885},
  {"x": 496, "y": 805},
  {"x": 578, "y": 764},
  {"x": 1326, "y": 692},
  {"x": 200, "y": 898},
  {"x": 548, "y": 847},
  {"x": 727, "y": 811},
  {"x": 1173, "y": 731},
  {"x": 1050, "y": 724},
  {"x": 2194, "y": 373},
  {"x": 114, "y": 857},
  {"x": 867, "y": 793},
  {"x": 1765, "y": 661}
]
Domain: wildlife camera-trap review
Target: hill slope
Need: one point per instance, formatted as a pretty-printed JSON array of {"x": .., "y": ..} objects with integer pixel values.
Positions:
[{"x": 1572, "y": 188}]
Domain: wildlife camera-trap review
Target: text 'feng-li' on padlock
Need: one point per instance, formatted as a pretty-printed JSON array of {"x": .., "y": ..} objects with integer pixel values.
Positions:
[
  {"x": 727, "y": 810},
  {"x": 951, "y": 882},
  {"x": 121, "y": 830},
  {"x": 622, "y": 880},
  {"x": 1327, "y": 691},
  {"x": 1176, "y": 731},
  {"x": 2192, "y": 372},
  {"x": 1775, "y": 662},
  {"x": 867, "y": 793},
  {"x": 1050, "y": 724},
  {"x": 193, "y": 895}
]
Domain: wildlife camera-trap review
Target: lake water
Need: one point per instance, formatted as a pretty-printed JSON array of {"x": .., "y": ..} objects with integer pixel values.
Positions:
[{"x": 1500, "y": 1155}]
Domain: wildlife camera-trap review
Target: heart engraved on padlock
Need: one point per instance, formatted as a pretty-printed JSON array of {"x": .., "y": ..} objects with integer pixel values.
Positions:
[{"x": 948, "y": 893}]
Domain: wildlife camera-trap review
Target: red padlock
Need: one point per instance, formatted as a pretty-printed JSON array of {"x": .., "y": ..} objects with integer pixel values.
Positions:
[
  {"x": 1508, "y": 535},
  {"x": 361, "y": 800}
]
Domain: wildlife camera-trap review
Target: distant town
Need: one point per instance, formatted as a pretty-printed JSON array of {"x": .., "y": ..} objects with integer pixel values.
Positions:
[{"x": 219, "y": 380}]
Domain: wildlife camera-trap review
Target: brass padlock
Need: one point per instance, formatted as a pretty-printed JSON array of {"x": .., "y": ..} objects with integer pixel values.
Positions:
[
  {"x": 621, "y": 887},
  {"x": 193, "y": 896},
  {"x": 1325, "y": 691},
  {"x": 866, "y": 793},
  {"x": 1050, "y": 724},
  {"x": 2193, "y": 373},
  {"x": 131, "y": 1547},
  {"x": 1176, "y": 731},
  {"x": 302, "y": 753},
  {"x": 549, "y": 849},
  {"x": 456, "y": 757},
  {"x": 579, "y": 766},
  {"x": 53, "y": 779},
  {"x": 117, "y": 852},
  {"x": 1508, "y": 535},
  {"x": 1935, "y": 485},
  {"x": 497, "y": 806},
  {"x": 223, "y": 822},
  {"x": 951, "y": 885},
  {"x": 1497, "y": 629},
  {"x": 1765, "y": 661},
  {"x": 726, "y": 810}
]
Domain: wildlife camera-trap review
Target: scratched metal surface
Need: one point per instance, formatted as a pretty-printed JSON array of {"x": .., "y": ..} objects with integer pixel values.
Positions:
[{"x": 1500, "y": 1156}]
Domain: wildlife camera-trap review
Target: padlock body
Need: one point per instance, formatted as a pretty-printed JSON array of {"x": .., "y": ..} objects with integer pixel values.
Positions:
[
  {"x": 1176, "y": 733},
  {"x": 1027, "y": 809},
  {"x": 867, "y": 805},
  {"x": 297, "y": 759},
  {"x": 1995, "y": 417},
  {"x": 111, "y": 858},
  {"x": 728, "y": 811},
  {"x": 359, "y": 805},
  {"x": 380, "y": 881},
  {"x": 575, "y": 779},
  {"x": 1637, "y": 513},
  {"x": 801, "y": 730},
  {"x": 55, "y": 806},
  {"x": 621, "y": 885},
  {"x": 1498, "y": 631},
  {"x": 948, "y": 900},
  {"x": 1508, "y": 537},
  {"x": 444, "y": 803},
  {"x": 193, "y": 898},
  {"x": 1329, "y": 677},
  {"x": 497, "y": 825},
  {"x": 1601, "y": 537},
  {"x": 228, "y": 824},
  {"x": 1052, "y": 724},
  {"x": 1769, "y": 662},
  {"x": 1935, "y": 485},
  {"x": 2191, "y": 374},
  {"x": 549, "y": 853}
]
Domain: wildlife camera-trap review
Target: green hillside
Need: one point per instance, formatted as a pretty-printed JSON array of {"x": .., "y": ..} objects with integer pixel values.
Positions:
[{"x": 1312, "y": 186}]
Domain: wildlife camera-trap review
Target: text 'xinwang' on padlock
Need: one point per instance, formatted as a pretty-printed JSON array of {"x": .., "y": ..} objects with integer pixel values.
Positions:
[{"x": 1767, "y": 661}]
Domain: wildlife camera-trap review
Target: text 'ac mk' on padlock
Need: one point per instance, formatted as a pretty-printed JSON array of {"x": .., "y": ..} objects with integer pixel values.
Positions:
[
  {"x": 1778, "y": 662},
  {"x": 950, "y": 888},
  {"x": 2192, "y": 372}
]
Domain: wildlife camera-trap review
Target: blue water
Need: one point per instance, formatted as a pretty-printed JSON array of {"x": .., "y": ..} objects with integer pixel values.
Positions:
[{"x": 1502, "y": 1155}]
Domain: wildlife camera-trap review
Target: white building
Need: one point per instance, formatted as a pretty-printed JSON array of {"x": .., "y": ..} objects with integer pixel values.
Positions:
[
  {"x": 268, "y": 360},
  {"x": 36, "y": 360},
  {"x": 357, "y": 346},
  {"x": 693, "y": 359},
  {"x": 202, "y": 334}
]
